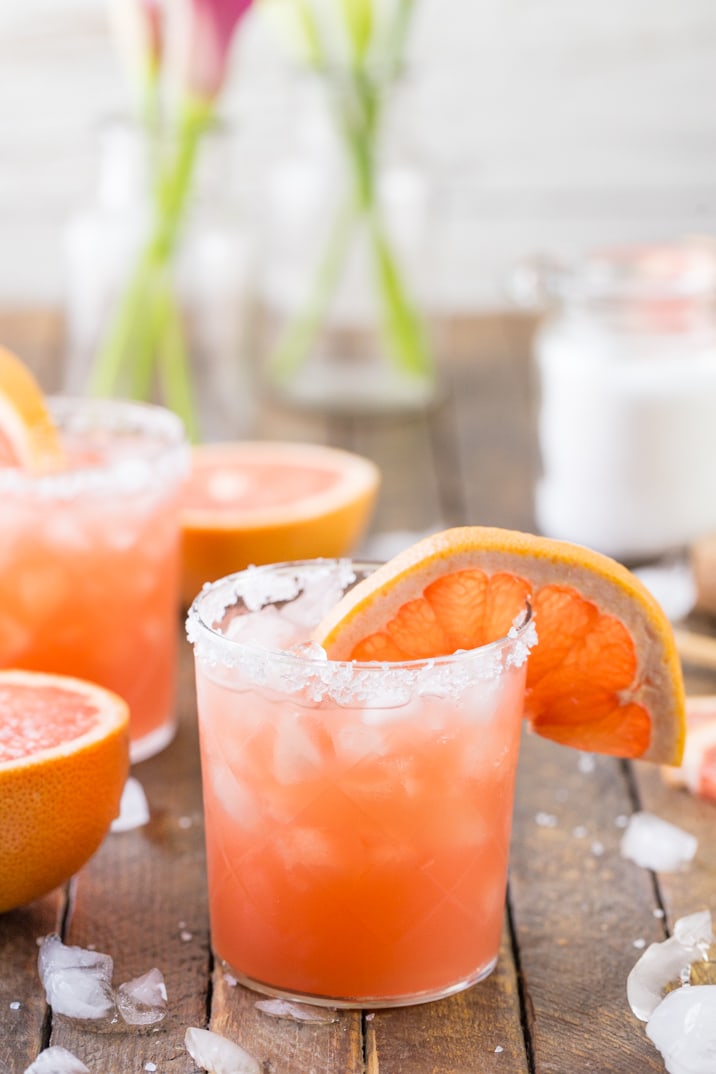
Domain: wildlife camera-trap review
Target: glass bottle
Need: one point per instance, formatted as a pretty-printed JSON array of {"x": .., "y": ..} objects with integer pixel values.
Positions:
[{"x": 210, "y": 267}]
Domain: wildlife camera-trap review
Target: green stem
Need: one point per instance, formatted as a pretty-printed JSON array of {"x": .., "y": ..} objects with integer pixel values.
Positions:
[
  {"x": 107, "y": 370},
  {"x": 301, "y": 333},
  {"x": 403, "y": 330},
  {"x": 397, "y": 39},
  {"x": 146, "y": 325},
  {"x": 174, "y": 361},
  {"x": 357, "y": 109},
  {"x": 404, "y": 335}
]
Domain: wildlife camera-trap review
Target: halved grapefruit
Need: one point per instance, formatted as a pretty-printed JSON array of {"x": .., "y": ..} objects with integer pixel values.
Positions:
[
  {"x": 254, "y": 502},
  {"x": 64, "y": 758},
  {"x": 604, "y": 676},
  {"x": 28, "y": 437}
]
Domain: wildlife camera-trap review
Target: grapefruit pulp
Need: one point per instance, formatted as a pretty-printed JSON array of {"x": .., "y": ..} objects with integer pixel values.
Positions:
[
  {"x": 604, "y": 676},
  {"x": 64, "y": 758},
  {"x": 253, "y": 502}
]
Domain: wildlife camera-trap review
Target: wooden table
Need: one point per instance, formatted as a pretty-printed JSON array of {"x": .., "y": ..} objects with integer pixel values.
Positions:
[{"x": 577, "y": 913}]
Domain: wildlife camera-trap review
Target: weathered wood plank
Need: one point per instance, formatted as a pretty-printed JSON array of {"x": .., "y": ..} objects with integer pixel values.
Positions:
[
  {"x": 578, "y": 909},
  {"x": 494, "y": 423},
  {"x": 409, "y": 497},
  {"x": 142, "y": 899},
  {"x": 694, "y": 888},
  {"x": 36, "y": 337},
  {"x": 23, "y": 1027},
  {"x": 284, "y": 1046},
  {"x": 476, "y": 1032}
]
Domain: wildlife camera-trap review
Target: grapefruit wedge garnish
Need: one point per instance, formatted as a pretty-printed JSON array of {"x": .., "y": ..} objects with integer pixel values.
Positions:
[
  {"x": 604, "y": 676},
  {"x": 28, "y": 437},
  {"x": 64, "y": 757},
  {"x": 252, "y": 502}
]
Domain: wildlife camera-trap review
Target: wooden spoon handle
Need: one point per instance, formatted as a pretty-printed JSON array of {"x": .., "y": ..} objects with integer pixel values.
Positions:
[{"x": 698, "y": 650}]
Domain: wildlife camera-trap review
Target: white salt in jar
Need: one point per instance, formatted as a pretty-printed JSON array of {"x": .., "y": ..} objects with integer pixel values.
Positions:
[{"x": 626, "y": 363}]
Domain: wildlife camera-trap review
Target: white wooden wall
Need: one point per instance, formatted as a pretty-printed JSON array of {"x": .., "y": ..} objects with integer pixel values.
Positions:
[{"x": 549, "y": 126}]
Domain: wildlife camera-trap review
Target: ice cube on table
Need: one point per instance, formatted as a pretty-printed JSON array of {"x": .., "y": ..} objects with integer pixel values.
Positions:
[
  {"x": 664, "y": 963},
  {"x": 143, "y": 1000},
  {"x": 133, "y": 807},
  {"x": 57, "y": 1060},
  {"x": 217, "y": 1055},
  {"x": 77, "y": 981},
  {"x": 683, "y": 1028},
  {"x": 695, "y": 930},
  {"x": 657, "y": 844},
  {"x": 297, "y": 1012}
]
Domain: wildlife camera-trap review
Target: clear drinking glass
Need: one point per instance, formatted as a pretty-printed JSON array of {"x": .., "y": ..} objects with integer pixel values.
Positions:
[
  {"x": 358, "y": 815},
  {"x": 89, "y": 559}
]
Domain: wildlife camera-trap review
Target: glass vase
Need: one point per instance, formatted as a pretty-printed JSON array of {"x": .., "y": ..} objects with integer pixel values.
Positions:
[
  {"x": 345, "y": 273},
  {"x": 208, "y": 272}
]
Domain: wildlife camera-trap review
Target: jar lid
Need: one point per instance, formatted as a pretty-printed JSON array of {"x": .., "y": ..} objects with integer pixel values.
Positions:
[{"x": 680, "y": 270}]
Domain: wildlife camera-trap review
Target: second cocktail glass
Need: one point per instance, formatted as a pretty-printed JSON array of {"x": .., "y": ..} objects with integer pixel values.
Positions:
[
  {"x": 358, "y": 816},
  {"x": 89, "y": 559}
]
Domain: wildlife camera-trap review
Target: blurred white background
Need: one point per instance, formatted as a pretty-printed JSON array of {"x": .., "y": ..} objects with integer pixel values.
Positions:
[{"x": 549, "y": 126}]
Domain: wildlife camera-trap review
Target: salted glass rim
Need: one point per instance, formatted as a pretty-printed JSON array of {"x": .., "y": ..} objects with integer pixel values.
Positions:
[
  {"x": 164, "y": 454},
  {"x": 207, "y": 640}
]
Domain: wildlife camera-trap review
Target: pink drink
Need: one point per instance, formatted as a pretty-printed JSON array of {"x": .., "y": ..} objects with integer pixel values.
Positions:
[
  {"x": 89, "y": 559},
  {"x": 357, "y": 816}
]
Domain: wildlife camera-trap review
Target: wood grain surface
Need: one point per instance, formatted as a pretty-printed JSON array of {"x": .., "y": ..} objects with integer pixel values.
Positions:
[{"x": 578, "y": 914}]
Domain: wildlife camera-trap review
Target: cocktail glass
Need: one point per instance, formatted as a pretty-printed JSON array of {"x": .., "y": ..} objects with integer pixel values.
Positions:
[
  {"x": 89, "y": 559},
  {"x": 357, "y": 815}
]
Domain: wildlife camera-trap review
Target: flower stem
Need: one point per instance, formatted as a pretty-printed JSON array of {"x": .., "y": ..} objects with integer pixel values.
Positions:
[
  {"x": 145, "y": 330},
  {"x": 174, "y": 362},
  {"x": 403, "y": 329},
  {"x": 301, "y": 333},
  {"x": 357, "y": 104}
]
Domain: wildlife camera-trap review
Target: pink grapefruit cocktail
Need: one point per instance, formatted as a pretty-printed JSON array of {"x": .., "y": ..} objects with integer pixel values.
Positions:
[
  {"x": 358, "y": 816},
  {"x": 89, "y": 559}
]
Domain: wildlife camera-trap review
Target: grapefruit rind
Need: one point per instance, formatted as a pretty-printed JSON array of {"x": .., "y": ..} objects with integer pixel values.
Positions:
[
  {"x": 26, "y": 427},
  {"x": 56, "y": 805},
  {"x": 658, "y": 684},
  {"x": 221, "y": 540}
]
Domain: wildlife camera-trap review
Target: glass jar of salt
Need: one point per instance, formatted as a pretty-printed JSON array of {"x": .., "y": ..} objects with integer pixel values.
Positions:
[{"x": 626, "y": 373}]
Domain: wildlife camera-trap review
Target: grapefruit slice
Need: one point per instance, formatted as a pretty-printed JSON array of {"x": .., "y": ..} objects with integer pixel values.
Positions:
[
  {"x": 254, "y": 502},
  {"x": 64, "y": 758},
  {"x": 28, "y": 437},
  {"x": 604, "y": 676}
]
